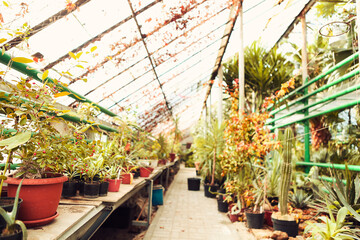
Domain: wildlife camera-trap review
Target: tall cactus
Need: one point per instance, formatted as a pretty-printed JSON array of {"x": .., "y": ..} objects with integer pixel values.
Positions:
[{"x": 286, "y": 169}]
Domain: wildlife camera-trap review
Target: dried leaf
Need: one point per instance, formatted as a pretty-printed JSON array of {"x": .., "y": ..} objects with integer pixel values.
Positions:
[{"x": 22, "y": 60}]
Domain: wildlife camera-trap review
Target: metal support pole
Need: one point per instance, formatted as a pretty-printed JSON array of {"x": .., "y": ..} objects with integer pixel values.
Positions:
[
  {"x": 358, "y": 21},
  {"x": 241, "y": 63},
  {"x": 150, "y": 192},
  {"x": 304, "y": 62},
  {"x": 220, "y": 99},
  {"x": 167, "y": 178}
]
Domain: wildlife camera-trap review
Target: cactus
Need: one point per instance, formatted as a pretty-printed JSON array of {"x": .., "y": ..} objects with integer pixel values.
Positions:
[{"x": 286, "y": 169}]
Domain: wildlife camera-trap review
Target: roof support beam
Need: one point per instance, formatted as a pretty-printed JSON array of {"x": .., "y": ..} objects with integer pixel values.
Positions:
[
  {"x": 14, "y": 42},
  {"x": 150, "y": 59},
  {"x": 225, "y": 40}
]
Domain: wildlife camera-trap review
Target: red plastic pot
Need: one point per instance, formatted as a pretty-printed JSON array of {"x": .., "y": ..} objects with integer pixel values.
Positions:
[
  {"x": 114, "y": 185},
  {"x": 172, "y": 157},
  {"x": 145, "y": 171},
  {"x": 267, "y": 217},
  {"x": 127, "y": 178},
  {"x": 40, "y": 197},
  {"x": 234, "y": 217}
]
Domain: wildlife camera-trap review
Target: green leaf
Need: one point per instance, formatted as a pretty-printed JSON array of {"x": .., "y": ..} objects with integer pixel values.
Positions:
[
  {"x": 19, "y": 112},
  {"x": 341, "y": 216},
  {"x": 16, "y": 140},
  {"x": 84, "y": 79},
  {"x": 22, "y": 60},
  {"x": 23, "y": 120}
]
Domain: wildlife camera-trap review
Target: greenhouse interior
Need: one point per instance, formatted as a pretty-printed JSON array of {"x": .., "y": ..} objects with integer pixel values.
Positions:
[{"x": 179, "y": 119}]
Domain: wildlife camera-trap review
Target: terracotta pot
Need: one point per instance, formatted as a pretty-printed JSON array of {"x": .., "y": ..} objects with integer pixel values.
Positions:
[
  {"x": 40, "y": 196},
  {"x": 127, "y": 178},
  {"x": 145, "y": 171},
  {"x": 114, "y": 184}
]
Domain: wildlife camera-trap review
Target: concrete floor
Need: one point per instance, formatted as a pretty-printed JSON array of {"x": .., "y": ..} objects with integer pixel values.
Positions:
[{"x": 190, "y": 215}]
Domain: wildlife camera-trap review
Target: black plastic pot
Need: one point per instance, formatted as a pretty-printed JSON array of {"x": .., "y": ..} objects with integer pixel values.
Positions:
[
  {"x": 81, "y": 188},
  {"x": 104, "y": 187},
  {"x": 91, "y": 190},
  {"x": 16, "y": 236},
  {"x": 255, "y": 220},
  {"x": 136, "y": 173},
  {"x": 210, "y": 191},
  {"x": 290, "y": 227},
  {"x": 194, "y": 184},
  {"x": 7, "y": 203},
  {"x": 273, "y": 200},
  {"x": 222, "y": 206},
  {"x": 69, "y": 189}
]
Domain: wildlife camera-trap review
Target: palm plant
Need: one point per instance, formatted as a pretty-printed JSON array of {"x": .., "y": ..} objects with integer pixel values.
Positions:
[
  {"x": 265, "y": 71},
  {"x": 208, "y": 145}
]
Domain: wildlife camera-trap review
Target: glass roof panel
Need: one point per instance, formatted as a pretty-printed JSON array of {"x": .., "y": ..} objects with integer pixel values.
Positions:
[{"x": 19, "y": 12}]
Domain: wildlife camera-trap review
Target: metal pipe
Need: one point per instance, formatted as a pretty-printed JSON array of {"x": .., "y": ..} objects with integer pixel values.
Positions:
[
  {"x": 332, "y": 69},
  {"x": 241, "y": 62},
  {"x": 334, "y": 96},
  {"x": 64, "y": 116},
  {"x": 353, "y": 103},
  {"x": 330, "y": 165},
  {"x": 341, "y": 79},
  {"x": 33, "y": 73}
]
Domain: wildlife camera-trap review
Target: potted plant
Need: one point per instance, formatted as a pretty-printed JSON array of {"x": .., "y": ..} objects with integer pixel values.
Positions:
[
  {"x": 208, "y": 145},
  {"x": 92, "y": 166},
  {"x": 15, "y": 229},
  {"x": 113, "y": 177},
  {"x": 282, "y": 220},
  {"x": 255, "y": 216},
  {"x": 176, "y": 140},
  {"x": 127, "y": 175},
  {"x": 70, "y": 170},
  {"x": 30, "y": 110}
]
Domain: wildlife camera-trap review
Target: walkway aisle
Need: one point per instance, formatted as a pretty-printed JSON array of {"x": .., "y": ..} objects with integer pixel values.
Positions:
[{"x": 188, "y": 215}]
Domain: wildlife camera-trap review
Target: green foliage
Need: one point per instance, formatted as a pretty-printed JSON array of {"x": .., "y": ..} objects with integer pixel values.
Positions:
[
  {"x": 10, "y": 218},
  {"x": 208, "y": 145},
  {"x": 331, "y": 228},
  {"x": 286, "y": 170},
  {"x": 339, "y": 194},
  {"x": 265, "y": 71},
  {"x": 300, "y": 199}
]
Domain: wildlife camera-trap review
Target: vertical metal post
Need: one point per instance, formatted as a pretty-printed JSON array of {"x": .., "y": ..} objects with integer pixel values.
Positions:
[
  {"x": 304, "y": 63},
  {"x": 241, "y": 63},
  {"x": 150, "y": 192},
  {"x": 358, "y": 20},
  {"x": 167, "y": 177},
  {"x": 220, "y": 99}
]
